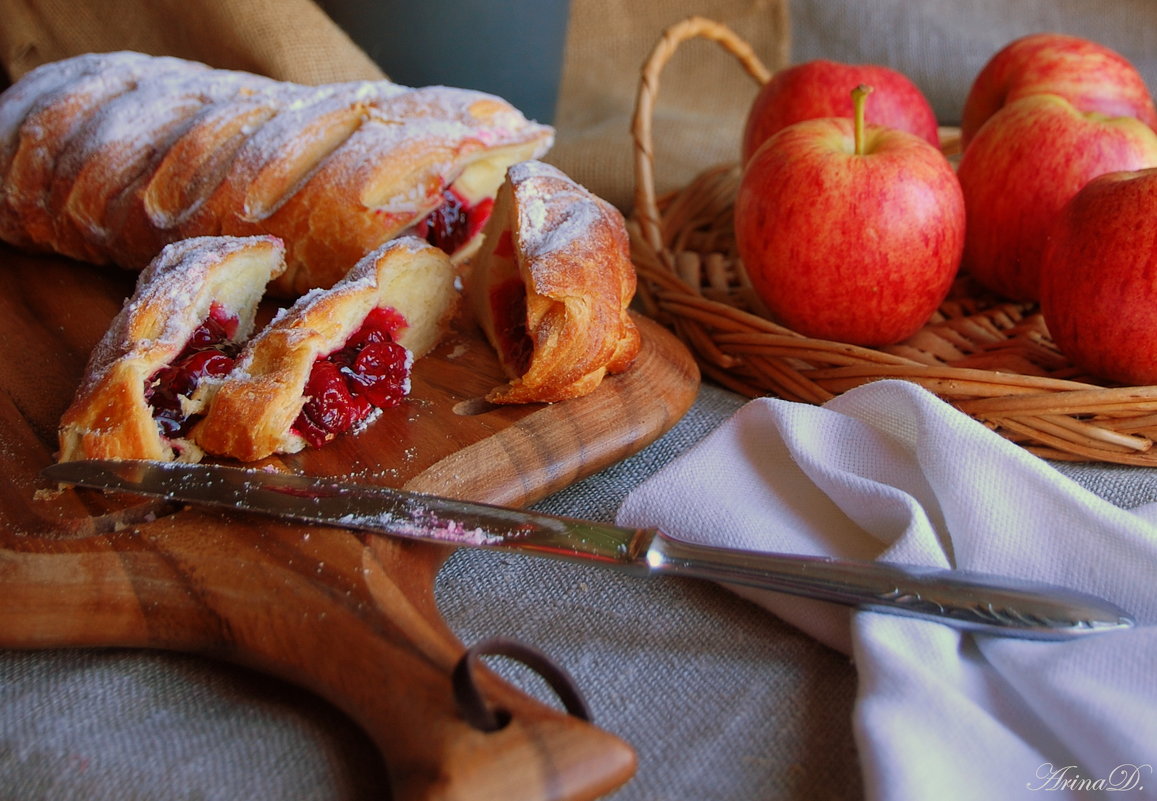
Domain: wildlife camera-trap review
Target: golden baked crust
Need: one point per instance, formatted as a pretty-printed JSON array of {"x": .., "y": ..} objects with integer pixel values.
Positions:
[
  {"x": 110, "y": 416},
  {"x": 107, "y": 157},
  {"x": 564, "y": 252},
  {"x": 40, "y": 116},
  {"x": 253, "y": 411}
]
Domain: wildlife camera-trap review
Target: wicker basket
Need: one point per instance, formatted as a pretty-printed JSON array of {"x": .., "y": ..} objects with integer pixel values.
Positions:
[{"x": 992, "y": 359}]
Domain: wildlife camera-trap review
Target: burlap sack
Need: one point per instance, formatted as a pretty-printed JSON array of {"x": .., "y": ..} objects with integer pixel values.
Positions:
[
  {"x": 287, "y": 39},
  {"x": 702, "y": 100},
  {"x": 698, "y": 119}
]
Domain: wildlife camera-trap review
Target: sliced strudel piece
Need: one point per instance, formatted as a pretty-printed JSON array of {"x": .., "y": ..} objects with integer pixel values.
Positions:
[
  {"x": 551, "y": 285},
  {"x": 143, "y": 387},
  {"x": 329, "y": 363}
]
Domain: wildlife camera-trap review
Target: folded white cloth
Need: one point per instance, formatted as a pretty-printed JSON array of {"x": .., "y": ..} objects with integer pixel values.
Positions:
[{"x": 890, "y": 472}]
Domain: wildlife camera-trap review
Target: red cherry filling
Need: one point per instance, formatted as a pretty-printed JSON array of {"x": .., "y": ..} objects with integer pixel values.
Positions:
[
  {"x": 450, "y": 226},
  {"x": 370, "y": 371},
  {"x": 508, "y": 308},
  {"x": 504, "y": 248},
  {"x": 210, "y": 351}
]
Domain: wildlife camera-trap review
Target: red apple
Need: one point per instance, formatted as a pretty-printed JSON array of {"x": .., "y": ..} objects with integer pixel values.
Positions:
[
  {"x": 1089, "y": 75},
  {"x": 1099, "y": 286},
  {"x": 850, "y": 232},
  {"x": 1023, "y": 166},
  {"x": 817, "y": 89}
]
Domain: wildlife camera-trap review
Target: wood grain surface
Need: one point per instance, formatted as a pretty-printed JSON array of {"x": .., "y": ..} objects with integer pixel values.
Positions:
[{"x": 352, "y": 618}]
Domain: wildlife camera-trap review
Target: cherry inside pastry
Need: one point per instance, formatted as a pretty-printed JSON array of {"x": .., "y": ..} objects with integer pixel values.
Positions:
[
  {"x": 144, "y": 386},
  {"x": 455, "y": 224},
  {"x": 333, "y": 360},
  {"x": 550, "y": 287}
]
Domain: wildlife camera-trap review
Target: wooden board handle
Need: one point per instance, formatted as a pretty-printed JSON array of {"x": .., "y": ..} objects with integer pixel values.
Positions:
[{"x": 354, "y": 621}]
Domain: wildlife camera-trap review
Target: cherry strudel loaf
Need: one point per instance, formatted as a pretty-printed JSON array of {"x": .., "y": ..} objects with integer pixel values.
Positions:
[{"x": 107, "y": 157}]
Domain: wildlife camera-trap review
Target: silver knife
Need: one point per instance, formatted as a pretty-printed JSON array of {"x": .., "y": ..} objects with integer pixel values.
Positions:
[{"x": 968, "y": 601}]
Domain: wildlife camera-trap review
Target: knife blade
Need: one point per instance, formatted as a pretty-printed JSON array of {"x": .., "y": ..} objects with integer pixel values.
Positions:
[{"x": 967, "y": 601}]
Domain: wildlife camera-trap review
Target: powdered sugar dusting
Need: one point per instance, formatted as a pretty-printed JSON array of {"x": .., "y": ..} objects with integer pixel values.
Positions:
[
  {"x": 173, "y": 282},
  {"x": 422, "y": 523},
  {"x": 554, "y": 212}
]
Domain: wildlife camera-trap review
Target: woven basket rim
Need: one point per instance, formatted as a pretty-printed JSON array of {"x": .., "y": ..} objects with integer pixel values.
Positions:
[{"x": 993, "y": 359}]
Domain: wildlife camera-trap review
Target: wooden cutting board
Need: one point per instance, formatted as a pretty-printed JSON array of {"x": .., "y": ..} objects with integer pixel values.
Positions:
[{"x": 350, "y": 617}]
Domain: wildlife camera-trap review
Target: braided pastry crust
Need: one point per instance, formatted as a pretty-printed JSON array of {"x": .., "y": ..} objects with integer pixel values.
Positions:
[{"x": 108, "y": 157}]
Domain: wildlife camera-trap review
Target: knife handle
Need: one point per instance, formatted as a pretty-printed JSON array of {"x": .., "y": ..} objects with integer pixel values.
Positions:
[{"x": 968, "y": 601}]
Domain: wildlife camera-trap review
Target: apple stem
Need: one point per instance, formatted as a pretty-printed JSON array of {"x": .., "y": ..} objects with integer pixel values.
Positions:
[{"x": 859, "y": 101}]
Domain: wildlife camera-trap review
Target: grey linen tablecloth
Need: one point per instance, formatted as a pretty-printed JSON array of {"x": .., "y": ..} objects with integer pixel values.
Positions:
[{"x": 720, "y": 698}]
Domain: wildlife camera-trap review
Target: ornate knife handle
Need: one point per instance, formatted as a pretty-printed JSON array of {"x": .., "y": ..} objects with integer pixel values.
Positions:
[{"x": 969, "y": 601}]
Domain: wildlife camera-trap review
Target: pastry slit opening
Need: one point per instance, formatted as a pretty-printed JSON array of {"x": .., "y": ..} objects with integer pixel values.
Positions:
[
  {"x": 346, "y": 388},
  {"x": 455, "y": 222},
  {"x": 210, "y": 351},
  {"x": 508, "y": 309}
]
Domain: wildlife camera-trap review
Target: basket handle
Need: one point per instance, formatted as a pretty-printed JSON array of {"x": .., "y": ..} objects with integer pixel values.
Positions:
[{"x": 646, "y": 208}]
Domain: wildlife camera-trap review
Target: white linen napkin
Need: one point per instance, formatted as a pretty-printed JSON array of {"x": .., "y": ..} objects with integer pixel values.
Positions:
[{"x": 890, "y": 472}]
